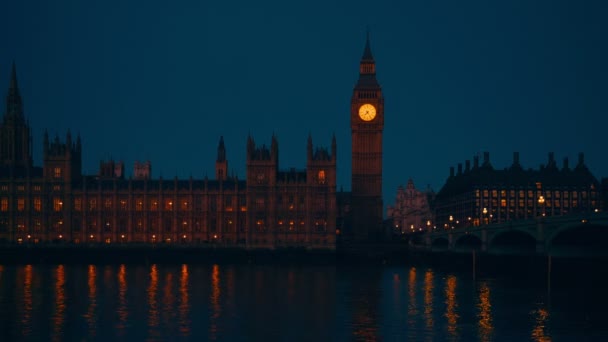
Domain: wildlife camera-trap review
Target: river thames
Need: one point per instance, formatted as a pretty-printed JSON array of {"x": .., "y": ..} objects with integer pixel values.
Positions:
[{"x": 244, "y": 302}]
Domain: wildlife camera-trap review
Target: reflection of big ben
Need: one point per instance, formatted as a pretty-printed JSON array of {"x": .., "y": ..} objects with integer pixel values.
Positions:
[{"x": 367, "y": 122}]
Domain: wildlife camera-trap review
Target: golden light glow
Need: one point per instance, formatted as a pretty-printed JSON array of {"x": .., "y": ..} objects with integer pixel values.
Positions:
[
  {"x": 90, "y": 315},
  {"x": 58, "y": 316},
  {"x": 485, "y": 325},
  {"x": 412, "y": 311},
  {"x": 215, "y": 301},
  {"x": 428, "y": 299},
  {"x": 122, "y": 300},
  {"x": 451, "y": 307},
  {"x": 184, "y": 304},
  {"x": 153, "y": 312},
  {"x": 541, "y": 318},
  {"x": 27, "y": 301},
  {"x": 367, "y": 112}
]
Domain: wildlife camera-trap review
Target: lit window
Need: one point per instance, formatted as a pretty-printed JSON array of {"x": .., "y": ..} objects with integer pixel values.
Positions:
[
  {"x": 322, "y": 177},
  {"x": 37, "y": 204},
  {"x": 108, "y": 203},
  {"x": 4, "y": 204},
  {"x": 21, "y": 204},
  {"x": 57, "y": 204},
  {"x": 123, "y": 204},
  {"x": 57, "y": 172},
  {"x": 139, "y": 204}
]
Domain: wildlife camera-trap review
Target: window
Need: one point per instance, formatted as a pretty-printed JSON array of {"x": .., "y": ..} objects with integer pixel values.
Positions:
[
  {"x": 4, "y": 204},
  {"x": 92, "y": 204},
  {"x": 20, "y": 188},
  {"x": 184, "y": 204},
  {"x": 78, "y": 204},
  {"x": 321, "y": 177},
  {"x": 57, "y": 172},
  {"x": 21, "y": 204},
  {"x": 139, "y": 204},
  {"x": 107, "y": 203},
  {"x": 123, "y": 204},
  {"x": 168, "y": 204},
  {"x": 153, "y": 205},
  {"x": 57, "y": 204},
  {"x": 37, "y": 204}
]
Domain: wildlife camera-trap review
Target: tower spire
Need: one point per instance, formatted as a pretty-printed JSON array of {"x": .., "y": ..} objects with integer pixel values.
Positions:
[
  {"x": 367, "y": 52},
  {"x": 14, "y": 107}
]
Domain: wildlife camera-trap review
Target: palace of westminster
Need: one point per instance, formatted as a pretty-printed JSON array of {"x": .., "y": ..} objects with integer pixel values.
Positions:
[{"x": 271, "y": 207}]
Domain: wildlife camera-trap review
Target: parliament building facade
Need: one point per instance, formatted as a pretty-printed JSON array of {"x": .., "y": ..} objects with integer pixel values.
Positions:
[
  {"x": 57, "y": 203},
  {"x": 270, "y": 208}
]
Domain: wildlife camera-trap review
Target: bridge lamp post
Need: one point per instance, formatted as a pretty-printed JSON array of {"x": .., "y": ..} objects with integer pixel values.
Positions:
[
  {"x": 485, "y": 214},
  {"x": 541, "y": 203},
  {"x": 451, "y": 221}
]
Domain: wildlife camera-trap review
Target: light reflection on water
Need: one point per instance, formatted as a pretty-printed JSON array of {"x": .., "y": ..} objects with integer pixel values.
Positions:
[
  {"x": 451, "y": 307},
  {"x": 224, "y": 302},
  {"x": 485, "y": 312},
  {"x": 58, "y": 316}
]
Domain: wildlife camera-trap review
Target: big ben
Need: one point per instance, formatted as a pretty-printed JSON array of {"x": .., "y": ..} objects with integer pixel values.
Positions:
[{"x": 367, "y": 124}]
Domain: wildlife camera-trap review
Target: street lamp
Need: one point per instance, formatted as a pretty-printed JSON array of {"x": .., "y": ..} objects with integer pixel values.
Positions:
[
  {"x": 485, "y": 213},
  {"x": 451, "y": 221},
  {"x": 541, "y": 203}
]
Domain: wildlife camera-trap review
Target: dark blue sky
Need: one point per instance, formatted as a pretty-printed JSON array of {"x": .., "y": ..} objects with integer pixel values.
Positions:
[{"x": 162, "y": 80}]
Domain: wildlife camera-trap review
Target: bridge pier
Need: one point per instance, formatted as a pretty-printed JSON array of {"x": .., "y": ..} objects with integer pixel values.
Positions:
[
  {"x": 484, "y": 240},
  {"x": 540, "y": 236},
  {"x": 450, "y": 241}
]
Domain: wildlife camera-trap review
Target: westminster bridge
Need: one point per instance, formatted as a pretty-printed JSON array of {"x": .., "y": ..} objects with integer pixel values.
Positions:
[{"x": 569, "y": 235}]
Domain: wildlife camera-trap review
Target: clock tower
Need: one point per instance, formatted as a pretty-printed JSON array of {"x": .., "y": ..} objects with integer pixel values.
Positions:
[{"x": 367, "y": 123}]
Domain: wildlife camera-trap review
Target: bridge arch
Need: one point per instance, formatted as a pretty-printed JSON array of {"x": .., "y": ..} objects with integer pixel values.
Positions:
[
  {"x": 578, "y": 239},
  {"x": 513, "y": 241},
  {"x": 468, "y": 242},
  {"x": 440, "y": 243}
]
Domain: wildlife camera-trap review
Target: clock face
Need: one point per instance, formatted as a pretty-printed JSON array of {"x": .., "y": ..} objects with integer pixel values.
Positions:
[{"x": 367, "y": 112}]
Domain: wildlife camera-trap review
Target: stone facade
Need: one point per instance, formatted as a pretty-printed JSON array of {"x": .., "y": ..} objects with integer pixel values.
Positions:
[{"x": 411, "y": 211}]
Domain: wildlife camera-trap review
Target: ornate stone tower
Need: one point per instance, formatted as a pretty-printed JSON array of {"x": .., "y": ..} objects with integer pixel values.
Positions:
[
  {"x": 221, "y": 164},
  {"x": 367, "y": 123},
  {"x": 15, "y": 135}
]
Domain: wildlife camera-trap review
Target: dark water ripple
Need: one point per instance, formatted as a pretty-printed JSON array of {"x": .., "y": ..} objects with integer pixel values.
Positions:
[{"x": 289, "y": 303}]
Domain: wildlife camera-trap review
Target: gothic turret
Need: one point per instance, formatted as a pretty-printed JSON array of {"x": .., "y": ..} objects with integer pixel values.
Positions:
[{"x": 221, "y": 164}]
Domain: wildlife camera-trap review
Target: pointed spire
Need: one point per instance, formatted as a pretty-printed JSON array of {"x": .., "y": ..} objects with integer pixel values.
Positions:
[
  {"x": 14, "y": 79},
  {"x": 221, "y": 150},
  {"x": 367, "y": 52},
  {"x": 14, "y": 107}
]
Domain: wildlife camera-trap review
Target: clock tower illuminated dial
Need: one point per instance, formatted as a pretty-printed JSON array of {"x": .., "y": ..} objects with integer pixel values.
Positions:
[
  {"x": 367, "y": 112},
  {"x": 367, "y": 125}
]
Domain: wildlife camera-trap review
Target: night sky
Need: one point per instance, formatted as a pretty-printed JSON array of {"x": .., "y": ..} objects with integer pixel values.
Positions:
[{"x": 163, "y": 80}]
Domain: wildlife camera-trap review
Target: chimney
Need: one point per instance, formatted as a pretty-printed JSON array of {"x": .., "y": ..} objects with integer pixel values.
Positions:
[
  {"x": 486, "y": 158},
  {"x": 451, "y": 171},
  {"x": 475, "y": 162},
  {"x": 467, "y": 165},
  {"x": 460, "y": 169}
]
